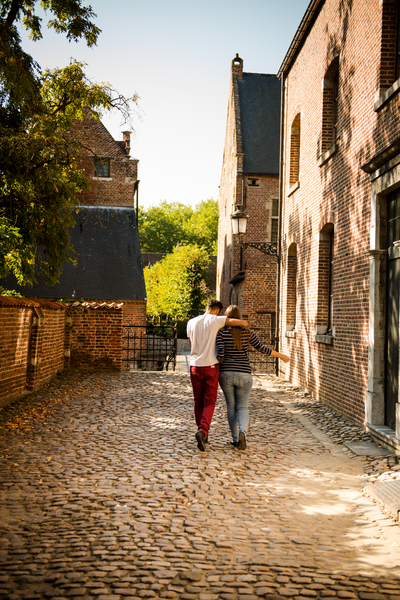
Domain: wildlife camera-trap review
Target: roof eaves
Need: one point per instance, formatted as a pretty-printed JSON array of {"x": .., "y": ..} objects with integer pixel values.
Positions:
[{"x": 299, "y": 36}]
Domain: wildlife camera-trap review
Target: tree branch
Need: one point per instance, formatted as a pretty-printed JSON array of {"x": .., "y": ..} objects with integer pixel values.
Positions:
[{"x": 12, "y": 15}]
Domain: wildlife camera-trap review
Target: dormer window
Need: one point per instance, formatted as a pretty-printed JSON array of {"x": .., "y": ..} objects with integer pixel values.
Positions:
[{"x": 102, "y": 168}]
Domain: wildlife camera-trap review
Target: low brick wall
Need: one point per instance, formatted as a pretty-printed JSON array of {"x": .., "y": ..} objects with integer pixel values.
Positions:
[
  {"x": 95, "y": 336},
  {"x": 39, "y": 338},
  {"x": 31, "y": 343}
]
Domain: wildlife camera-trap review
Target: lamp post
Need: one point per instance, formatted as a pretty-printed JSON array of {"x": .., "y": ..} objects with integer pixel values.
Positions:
[{"x": 239, "y": 225}]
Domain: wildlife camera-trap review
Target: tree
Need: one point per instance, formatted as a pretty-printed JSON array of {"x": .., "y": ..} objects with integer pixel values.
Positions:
[
  {"x": 162, "y": 227},
  {"x": 176, "y": 286},
  {"x": 39, "y": 157},
  {"x": 202, "y": 227}
]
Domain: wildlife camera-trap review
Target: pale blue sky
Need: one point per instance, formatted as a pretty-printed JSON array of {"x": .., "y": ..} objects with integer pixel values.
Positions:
[{"x": 176, "y": 55}]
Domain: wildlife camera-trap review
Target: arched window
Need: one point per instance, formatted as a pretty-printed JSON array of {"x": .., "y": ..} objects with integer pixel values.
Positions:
[
  {"x": 295, "y": 151},
  {"x": 389, "y": 70},
  {"x": 330, "y": 98},
  {"x": 291, "y": 289},
  {"x": 325, "y": 312}
]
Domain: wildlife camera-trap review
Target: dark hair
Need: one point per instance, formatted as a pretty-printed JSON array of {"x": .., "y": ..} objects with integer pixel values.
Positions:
[
  {"x": 239, "y": 334},
  {"x": 213, "y": 304}
]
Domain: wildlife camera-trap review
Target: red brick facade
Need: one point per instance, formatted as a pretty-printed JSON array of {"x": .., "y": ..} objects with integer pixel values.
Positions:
[
  {"x": 96, "y": 337},
  {"x": 248, "y": 281},
  {"x": 31, "y": 344},
  {"x": 40, "y": 338},
  {"x": 335, "y": 81},
  {"x": 118, "y": 182}
]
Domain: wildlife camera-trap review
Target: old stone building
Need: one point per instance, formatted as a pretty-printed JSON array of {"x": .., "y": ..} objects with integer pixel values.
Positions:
[
  {"x": 340, "y": 190},
  {"x": 250, "y": 182},
  {"x": 105, "y": 237}
]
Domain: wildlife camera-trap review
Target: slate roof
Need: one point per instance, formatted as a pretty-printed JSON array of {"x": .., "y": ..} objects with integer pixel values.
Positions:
[
  {"x": 109, "y": 261},
  {"x": 260, "y": 102}
]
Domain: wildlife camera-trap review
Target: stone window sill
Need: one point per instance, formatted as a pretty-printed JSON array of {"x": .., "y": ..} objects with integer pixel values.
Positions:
[
  {"x": 325, "y": 156},
  {"x": 102, "y": 178},
  {"x": 324, "y": 339},
  {"x": 294, "y": 187},
  {"x": 290, "y": 334},
  {"x": 392, "y": 91}
]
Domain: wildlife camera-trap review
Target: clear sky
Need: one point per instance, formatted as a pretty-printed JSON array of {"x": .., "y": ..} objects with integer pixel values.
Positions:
[{"x": 176, "y": 55}]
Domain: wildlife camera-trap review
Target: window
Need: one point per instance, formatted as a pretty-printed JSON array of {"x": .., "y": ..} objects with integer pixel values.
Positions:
[
  {"x": 253, "y": 182},
  {"x": 274, "y": 220},
  {"x": 102, "y": 168},
  {"x": 295, "y": 151},
  {"x": 330, "y": 290},
  {"x": 325, "y": 313},
  {"x": 389, "y": 70},
  {"x": 291, "y": 290},
  {"x": 330, "y": 113}
]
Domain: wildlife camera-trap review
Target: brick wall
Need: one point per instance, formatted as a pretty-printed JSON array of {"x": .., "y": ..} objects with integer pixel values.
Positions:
[
  {"x": 96, "y": 336},
  {"x": 134, "y": 312},
  {"x": 334, "y": 190},
  {"x": 119, "y": 187},
  {"x": 31, "y": 343},
  {"x": 40, "y": 338}
]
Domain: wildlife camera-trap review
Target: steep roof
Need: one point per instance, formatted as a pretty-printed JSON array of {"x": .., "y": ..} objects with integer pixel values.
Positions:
[
  {"x": 109, "y": 265},
  {"x": 259, "y": 100},
  {"x": 96, "y": 138}
]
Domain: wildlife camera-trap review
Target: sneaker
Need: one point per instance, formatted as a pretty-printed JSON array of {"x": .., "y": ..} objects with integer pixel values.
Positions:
[
  {"x": 201, "y": 440},
  {"x": 234, "y": 444},
  {"x": 242, "y": 441}
]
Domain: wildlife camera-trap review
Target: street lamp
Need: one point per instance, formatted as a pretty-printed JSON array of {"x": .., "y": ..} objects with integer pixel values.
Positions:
[{"x": 239, "y": 224}]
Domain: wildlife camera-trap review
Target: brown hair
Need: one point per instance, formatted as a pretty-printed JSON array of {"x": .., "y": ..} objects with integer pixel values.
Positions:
[
  {"x": 213, "y": 304},
  {"x": 238, "y": 333}
]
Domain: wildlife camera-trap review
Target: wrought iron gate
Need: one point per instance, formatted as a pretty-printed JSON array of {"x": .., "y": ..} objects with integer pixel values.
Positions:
[{"x": 151, "y": 348}]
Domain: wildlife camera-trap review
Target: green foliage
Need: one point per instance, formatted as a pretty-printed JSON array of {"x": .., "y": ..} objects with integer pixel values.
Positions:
[
  {"x": 162, "y": 227},
  {"x": 10, "y": 293},
  {"x": 39, "y": 159},
  {"x": 176, "y": 285}
]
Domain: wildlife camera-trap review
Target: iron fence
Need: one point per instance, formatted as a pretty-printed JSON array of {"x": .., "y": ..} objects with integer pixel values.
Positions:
[
  {"x": 151, "y": 348},
  {"x": 261, "y": 363}
]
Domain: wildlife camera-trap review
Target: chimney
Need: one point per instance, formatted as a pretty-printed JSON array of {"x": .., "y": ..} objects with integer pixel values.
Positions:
[
  {"x": 237, "y": 66},
  {"x": 126, "y": 138}
]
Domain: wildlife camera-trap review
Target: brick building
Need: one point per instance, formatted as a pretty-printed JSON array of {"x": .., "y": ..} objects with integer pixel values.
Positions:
[
  {"x": 340, "y": 190},
  {"x": 250, "y": 181},
  {"x": 105, "y": 237}
]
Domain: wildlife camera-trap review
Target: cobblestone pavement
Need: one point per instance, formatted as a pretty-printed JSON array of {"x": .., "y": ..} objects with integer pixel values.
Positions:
[{"x": 105, "y": 495}]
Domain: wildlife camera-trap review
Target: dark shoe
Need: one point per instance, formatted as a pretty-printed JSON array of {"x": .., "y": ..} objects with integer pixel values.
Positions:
[
  {"x": 234, "y": 444},
  {"x": 207, "y": 439},
  {"x": 242, "y": 441},
  {"x": 201, "y": 440}
]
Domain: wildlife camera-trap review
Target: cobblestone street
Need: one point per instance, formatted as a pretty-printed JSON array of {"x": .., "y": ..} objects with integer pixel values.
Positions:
[{"x": 105, "y": 495}]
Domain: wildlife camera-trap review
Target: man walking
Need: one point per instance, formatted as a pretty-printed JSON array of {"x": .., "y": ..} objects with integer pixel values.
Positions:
[{"x": 204, "y": 368}]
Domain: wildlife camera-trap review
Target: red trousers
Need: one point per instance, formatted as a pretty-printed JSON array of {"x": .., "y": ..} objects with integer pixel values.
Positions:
[{"x": 205, "y": 387}]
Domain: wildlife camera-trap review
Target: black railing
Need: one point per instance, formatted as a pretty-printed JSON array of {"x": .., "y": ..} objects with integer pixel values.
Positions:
[
  {"x": 259, "y": 362},
  {"x": 151, "y": 348}
]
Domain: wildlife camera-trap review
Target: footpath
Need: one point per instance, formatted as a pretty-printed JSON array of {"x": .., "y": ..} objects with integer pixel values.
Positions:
[{"x": 103, "y": 494}]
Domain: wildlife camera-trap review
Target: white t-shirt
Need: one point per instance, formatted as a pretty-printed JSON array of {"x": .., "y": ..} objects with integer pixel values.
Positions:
[{"x": 202, "y": 331}]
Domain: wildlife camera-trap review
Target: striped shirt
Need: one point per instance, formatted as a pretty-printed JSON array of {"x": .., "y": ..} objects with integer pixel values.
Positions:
[{"x": 230, "y": 358}]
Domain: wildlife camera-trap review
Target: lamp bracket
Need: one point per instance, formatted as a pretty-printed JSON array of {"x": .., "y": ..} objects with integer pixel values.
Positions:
[{"x": 270, "y": 248}]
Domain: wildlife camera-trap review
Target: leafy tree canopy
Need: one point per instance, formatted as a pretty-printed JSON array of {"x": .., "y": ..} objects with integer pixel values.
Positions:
[
  {"x": 162, "y": 227},
  {"x": 39, "y": 158},
  {"x": 176, "y": 286}
]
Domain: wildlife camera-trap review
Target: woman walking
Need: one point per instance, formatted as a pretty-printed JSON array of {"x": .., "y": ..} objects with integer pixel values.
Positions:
[{"x": 235, "y": 373}]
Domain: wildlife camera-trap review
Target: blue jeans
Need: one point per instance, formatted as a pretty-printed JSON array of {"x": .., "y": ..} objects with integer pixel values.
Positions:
[{"x": 236, "y": 387}]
